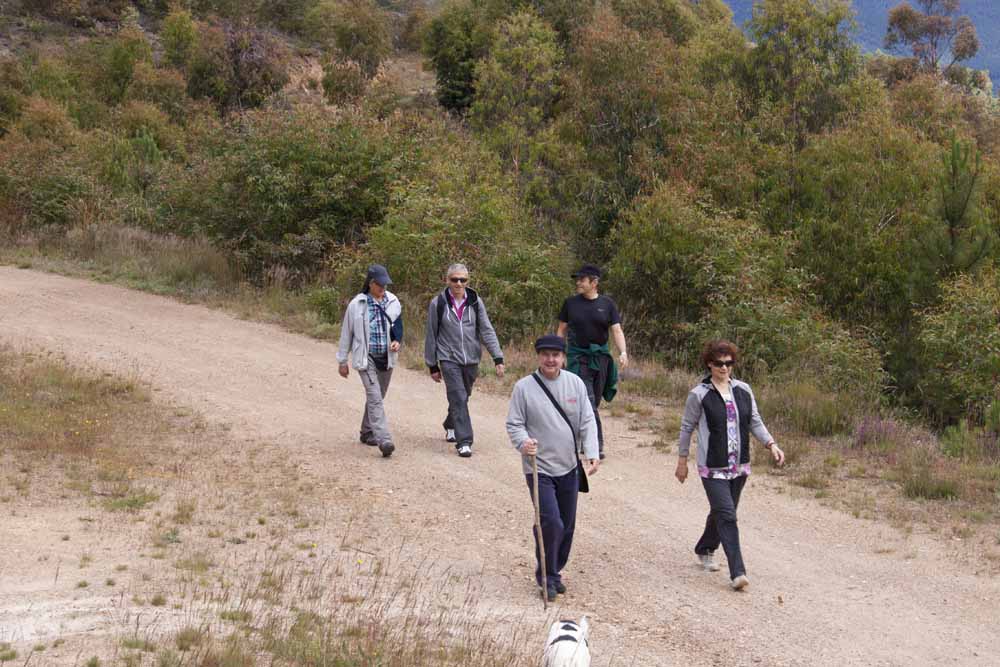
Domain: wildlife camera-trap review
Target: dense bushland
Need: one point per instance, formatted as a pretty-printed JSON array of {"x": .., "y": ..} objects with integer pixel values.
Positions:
[{"x": 836, "y": 215}]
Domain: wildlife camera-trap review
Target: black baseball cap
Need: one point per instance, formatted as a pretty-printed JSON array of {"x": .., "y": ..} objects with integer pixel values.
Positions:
[
  {"x": 379, "y": 274},
  {"x": 550, "y": 342},
  {"x": 587, "y": 270}
]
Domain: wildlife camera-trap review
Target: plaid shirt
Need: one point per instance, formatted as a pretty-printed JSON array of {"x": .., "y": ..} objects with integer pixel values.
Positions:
[{"x": 378, "y": 336}]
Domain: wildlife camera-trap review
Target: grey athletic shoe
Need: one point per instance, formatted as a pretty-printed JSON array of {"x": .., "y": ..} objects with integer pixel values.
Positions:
[
  {"x": 708, "y": 562},
  {"x": 465, "y": 451},
  {"x": 740, "y": 582},
  {"x": 449, "y": 435}
]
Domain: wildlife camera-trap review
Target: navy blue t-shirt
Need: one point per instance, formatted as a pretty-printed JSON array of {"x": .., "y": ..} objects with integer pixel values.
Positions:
[{"x": 589, "y": 319}]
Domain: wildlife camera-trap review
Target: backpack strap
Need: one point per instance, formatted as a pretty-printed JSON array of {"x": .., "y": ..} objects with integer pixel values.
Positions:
[{"x": 440, "y": 305}]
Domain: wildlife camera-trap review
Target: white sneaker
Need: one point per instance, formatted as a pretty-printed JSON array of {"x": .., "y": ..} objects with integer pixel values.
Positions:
[
  {"x": 449, "y": 435},
  {"x": 708, "y": 562},
  {"x": 740, "y": 582},
  {"x": 465, "y": 451}
]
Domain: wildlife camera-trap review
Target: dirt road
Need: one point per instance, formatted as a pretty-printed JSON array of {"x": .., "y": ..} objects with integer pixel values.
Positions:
[{"x": 827, "y": 589}]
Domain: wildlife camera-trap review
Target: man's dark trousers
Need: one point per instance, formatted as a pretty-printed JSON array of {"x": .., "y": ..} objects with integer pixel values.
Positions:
[
  {"x": 458, "y": 381},
  {"x": 595, "y": 380},
  {"x": 720, "y": 527},
  {"x": 557, "y": 505}
]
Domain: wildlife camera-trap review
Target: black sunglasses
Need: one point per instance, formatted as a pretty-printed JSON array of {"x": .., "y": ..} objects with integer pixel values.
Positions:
[
  {"x": 459, "y": 280},
  {"x": 720, "y": 364}
]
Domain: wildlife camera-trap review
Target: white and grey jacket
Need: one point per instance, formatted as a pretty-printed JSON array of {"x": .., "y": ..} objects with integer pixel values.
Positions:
[
  {"x": 705, "y": 410},
  {"x": 459, "y": 342},
  {"x": 354, "y": 330}
]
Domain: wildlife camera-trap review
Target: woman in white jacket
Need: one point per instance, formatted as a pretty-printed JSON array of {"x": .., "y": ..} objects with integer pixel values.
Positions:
[{"x": 370, "y": 336}]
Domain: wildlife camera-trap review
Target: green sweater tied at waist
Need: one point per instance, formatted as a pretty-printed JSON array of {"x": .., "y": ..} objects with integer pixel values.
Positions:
[{"x": 592, "y": 353}]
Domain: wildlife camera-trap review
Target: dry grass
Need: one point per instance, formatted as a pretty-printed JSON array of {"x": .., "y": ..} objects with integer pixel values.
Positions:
[
  {"x": 48, "y": 407},
  {"x": 192, "y": 270},
  {"x": 343, "y": 612}
]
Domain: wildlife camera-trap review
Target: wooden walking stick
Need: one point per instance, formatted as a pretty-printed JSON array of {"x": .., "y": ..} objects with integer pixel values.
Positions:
[{"x": 538, "y": 532}]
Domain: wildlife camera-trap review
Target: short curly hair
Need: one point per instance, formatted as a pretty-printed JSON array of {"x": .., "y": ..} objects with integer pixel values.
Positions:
[{"x": 718, "y": 348}]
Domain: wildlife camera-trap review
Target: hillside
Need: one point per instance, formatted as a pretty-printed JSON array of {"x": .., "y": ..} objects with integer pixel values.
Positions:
[{"x": 872, "y": 20}]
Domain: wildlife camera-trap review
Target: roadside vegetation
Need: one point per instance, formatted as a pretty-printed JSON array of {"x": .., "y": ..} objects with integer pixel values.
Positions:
[{"x": 839, "y": 222}]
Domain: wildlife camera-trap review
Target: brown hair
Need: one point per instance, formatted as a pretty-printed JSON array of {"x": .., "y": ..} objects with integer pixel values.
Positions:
[{"x": 718, "y": 348}]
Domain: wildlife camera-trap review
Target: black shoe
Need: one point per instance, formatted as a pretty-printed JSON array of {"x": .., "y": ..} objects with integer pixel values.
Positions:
[
  {"x": 550, "y": 593},
  {"x": 560, "y": 588},
  {"x": 602, "y": 456},
  {"x": 386, "y": 448},
  {"x": 368, "y": 441},
  {"x": 465, "y": 451}
]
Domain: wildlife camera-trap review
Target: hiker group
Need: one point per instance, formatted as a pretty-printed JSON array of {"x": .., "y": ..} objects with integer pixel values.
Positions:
[{"x": 553, "y": 415}]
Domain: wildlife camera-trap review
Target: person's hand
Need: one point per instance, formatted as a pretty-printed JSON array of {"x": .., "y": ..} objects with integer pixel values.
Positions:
[
  {"x": 500, "y": 370},
  {"x": 344, "y": 370},
  {"x": 436, "y": 376},
  {"x": 682, "y": 469},
  {"x": 777, "y": 454},
  {"x": 623, "y": 359},
  {"x": 394, "y": 346},
  {"x": 592, "y": 466},
  {"x": 529, "y": 447}
]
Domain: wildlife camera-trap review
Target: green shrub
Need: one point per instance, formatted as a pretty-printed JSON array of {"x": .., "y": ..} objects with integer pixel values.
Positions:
[
  {"x": 518, "y": 85},
  {"x": 454, "y": 41},
  {"x": 50, "y": 78},
  {"x": 236, "y": 67},
  {"x": 13, "y": 86},
  {"x": 128, "y": 163},
  {"x": 41, "y": 181},
  {"x": 459, "y": 207},
  {"x": 137, "y": 118},
  {"x": 674, "y": 18},
  {"x": 675, "y": 258},
  {"x": 860, "y": 195},
  {"x": 43, "y": 119},
  {"x": 117, "y": 60},
  {"x": 179, "y": 37},
  {"x": 357, "y": 29},
  {"x": 959, "y": 349},
  {"x": 282, "y": 189},
  {"x": 783, "y": 339},
  {"x": 166, "y": 88},
  {"x": 343, "y": 82}
]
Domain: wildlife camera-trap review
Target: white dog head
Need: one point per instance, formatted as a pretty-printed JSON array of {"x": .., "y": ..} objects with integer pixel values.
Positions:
[{"x": 567, "y": 644}]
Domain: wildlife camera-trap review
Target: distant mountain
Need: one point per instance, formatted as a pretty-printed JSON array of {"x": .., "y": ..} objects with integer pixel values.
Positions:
[{"x": 871, "y": 17}]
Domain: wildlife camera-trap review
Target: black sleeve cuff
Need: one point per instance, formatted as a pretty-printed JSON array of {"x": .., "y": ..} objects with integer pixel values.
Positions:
[
  {"x": 497, "y": 361},
  {"x": 434, "y": 369}
]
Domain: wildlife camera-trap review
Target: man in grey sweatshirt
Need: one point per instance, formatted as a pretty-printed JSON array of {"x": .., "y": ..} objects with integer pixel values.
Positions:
[
  {"x": 457, "y": 329},
  {"x": 537, "y": 429}
]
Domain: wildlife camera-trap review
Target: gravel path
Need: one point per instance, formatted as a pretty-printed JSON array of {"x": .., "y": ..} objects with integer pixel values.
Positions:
[{"x": 827, "y": 589}]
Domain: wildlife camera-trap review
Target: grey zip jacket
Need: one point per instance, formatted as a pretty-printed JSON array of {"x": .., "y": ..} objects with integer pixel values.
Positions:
[
  {"x": 705, "y": 412},
  {"x": 532, "y": 415},
  {"x": 354, "y": 330},
  {"x": 454, "y": 341}
]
